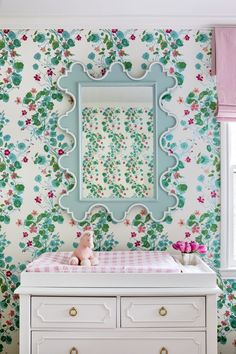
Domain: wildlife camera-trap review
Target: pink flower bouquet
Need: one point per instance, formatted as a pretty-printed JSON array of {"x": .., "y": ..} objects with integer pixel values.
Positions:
[{"x": 190, "y": 247}]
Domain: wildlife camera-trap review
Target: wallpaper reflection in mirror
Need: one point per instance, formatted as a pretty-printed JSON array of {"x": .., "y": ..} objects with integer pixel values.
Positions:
[{"x": 117, "y": 142}]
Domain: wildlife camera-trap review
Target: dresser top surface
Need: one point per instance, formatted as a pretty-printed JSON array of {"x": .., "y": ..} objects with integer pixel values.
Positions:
[{"x": 196, "y": 276}]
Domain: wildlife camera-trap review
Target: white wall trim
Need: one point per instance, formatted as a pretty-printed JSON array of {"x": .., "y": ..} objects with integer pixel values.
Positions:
[
  {"x": 112, "y": 14},
  {"x": 227, "y": 271},
  {"x": 224, "y": 195},
  {"x": 97, "y": 22}
]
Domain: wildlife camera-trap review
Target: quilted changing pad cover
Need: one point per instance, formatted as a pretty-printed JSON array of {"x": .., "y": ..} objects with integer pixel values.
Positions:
[{"x": 109, "y": 262}]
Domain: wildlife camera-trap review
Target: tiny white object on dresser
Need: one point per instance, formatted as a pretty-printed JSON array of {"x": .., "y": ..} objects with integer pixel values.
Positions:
[{"x": 119, "y": 312}]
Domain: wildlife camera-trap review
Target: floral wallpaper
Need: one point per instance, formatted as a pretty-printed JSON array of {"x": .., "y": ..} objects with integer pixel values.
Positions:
[{"x": 31, "y": 181}]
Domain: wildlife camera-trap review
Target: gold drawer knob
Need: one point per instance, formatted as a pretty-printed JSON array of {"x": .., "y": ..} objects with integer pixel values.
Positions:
[
  {"x": 163, "y": 350},
  {"x": 73, "y": 312},
  {"x": 163, "y": 312},
  {"x": 74, "y": 351}
]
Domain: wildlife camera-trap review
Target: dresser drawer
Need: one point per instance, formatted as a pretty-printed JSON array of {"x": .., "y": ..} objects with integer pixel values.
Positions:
[
  {"x": 73, "y": 312},
  {"x": 163, "y": 312},
  {"x": 116, "y": 343}
]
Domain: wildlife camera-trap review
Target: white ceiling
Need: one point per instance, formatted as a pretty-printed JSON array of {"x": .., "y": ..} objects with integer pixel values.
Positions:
[{"x": 129, "y": 13}]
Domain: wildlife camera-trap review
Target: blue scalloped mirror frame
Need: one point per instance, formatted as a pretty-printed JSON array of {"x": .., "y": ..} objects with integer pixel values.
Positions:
[{"x": 72, "y": 83}]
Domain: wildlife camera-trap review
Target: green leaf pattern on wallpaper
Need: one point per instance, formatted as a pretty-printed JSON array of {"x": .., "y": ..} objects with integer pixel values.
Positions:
[{"x": 31, "y": 181}]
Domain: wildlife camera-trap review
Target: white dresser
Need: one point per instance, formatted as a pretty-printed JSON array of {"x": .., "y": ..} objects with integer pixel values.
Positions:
[{"x": 119, "y": 313}]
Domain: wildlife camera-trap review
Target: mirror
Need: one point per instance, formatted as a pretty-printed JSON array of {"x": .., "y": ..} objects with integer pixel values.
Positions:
[
  {"x": 118, "y": 160},
  {"x": 117, "y": 142}
]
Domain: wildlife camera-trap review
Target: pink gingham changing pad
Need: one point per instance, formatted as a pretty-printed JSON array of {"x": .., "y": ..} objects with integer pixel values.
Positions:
[{"x": 109, "y": 262}]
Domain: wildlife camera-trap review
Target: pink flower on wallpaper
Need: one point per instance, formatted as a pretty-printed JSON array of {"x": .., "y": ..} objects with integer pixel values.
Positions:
[
  {"x": 13, "y": 53},
  {"x": 230, "y": 297},
  {"x": 177, "y": 175},
  {"x": 8, "y": 273},
  {"x": 14, "y": 175},
  {"x": 7, "y": 152},
  {"x": 33, "y": 229},
  {"x": 132, "y": 37},
  {"x": 133, "y": 234},
  {"x": 28, "y": 121},
  {"x": 15, "y": 297},
  {"x": 32, "y": 107},
  {"x": 137, "y": 243},
  {"x": 49, "y": 72},
  {"x": 23, "y": 112},
  {"x": 121, "y": 53},
  {"x": 168, "y": 30},
  {"x": 11, "y": 313},
  {"x": 201, "y": 199},
  {"x": 72, "y": 222},
  {"x": 194, "y": 107},
  {"x": 227, "y": 313},
  {"x": 181, "y": 222},
  {"x": 186, "y": 112},
  {"x": 114, "y": 30},
  {"x": 195, "y": 229},
  {"x": 78, "y": 37},
  {"x": 37, "y": 77},
  {"x": 38, "y": 200},
  {"x": 191, "y": 121},
  {"x": 171, "y": 70},
  {"x": 224, "y": 323},
  {"x": 127, "y": 222},
  {"x": 186, "y": 37},
  {"x": 188, "y": 159},
  {"x": 187, "y": 234},
  {"x": 29, "y": 243},
  {"x": 78, "y": 234},
  {"x": 175, "y": 53},
  {"x": 87, "y": 228},
  {"x": 213, "y": 194},
  {"x": 67, "y": 53},
  {"x": 50, "y": 194},
  {"x": 6, "y": 31},
  {"x": 61, "y": 152},
  {"x": 24, "y": 37},
  {"x": 199, "y": 77},
  {"x": 143, "y": 212},
  {"x": 60, "y": 30},
  {"x": 141, "y": 229},
  {"x": 25, "y": 234}
]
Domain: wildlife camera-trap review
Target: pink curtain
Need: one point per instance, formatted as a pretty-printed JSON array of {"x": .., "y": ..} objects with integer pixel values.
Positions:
[{"x": 224, "y": 67}]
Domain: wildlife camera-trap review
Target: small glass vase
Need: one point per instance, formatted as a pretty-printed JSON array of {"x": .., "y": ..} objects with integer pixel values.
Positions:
[{"x": 187, "y": 258}]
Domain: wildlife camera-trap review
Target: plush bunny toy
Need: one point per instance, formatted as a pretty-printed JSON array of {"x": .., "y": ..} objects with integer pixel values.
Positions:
[{"x": 83, "y": 255}]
